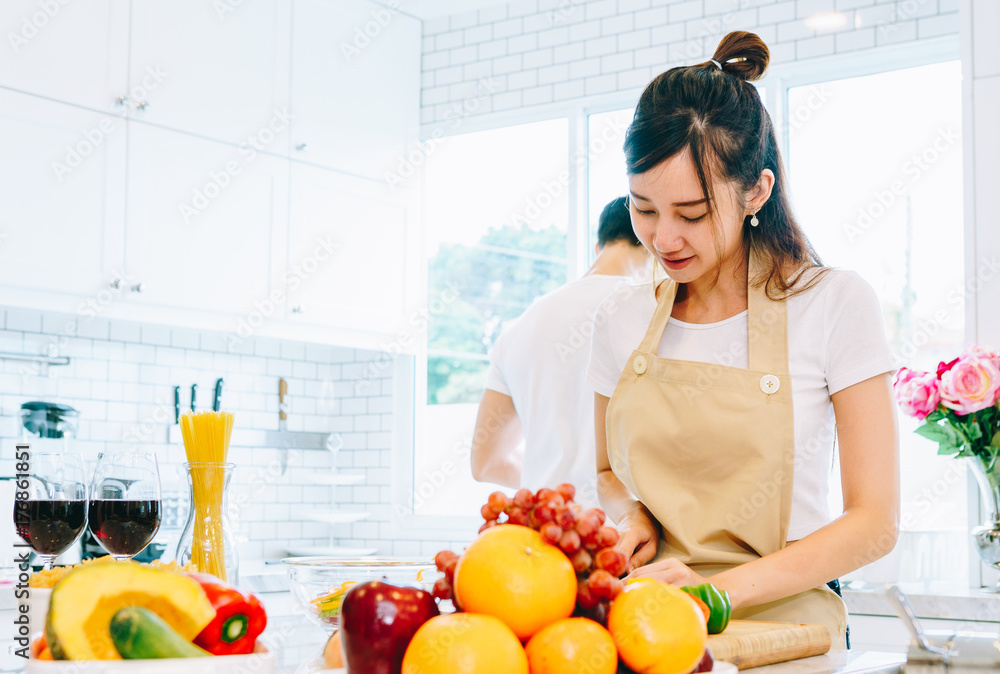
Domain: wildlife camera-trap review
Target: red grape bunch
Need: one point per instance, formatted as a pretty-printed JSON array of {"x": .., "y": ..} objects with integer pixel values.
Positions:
[
  {"x": 580, "y": 534},
  {"x": 446, "y": 561}
]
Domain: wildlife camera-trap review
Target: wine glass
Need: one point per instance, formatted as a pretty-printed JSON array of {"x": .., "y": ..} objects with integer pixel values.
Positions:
[
  {"x": 50, "y": 511},
  {"x": 125, "y": 502}
]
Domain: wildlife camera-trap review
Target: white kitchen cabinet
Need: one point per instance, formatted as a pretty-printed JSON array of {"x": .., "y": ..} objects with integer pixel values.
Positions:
[
  {"x": 75, "y": 52},
  {"x": 185, "y": 192},
  {"x": 62, "y": 196},
  {"x": 355, "y": 85},
  {"x": 224, "y": 69},
  {"x": 349, "y": 257},
  {"x": 204, "y": 220}
]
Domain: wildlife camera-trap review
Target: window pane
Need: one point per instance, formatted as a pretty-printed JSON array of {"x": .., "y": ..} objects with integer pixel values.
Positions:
[
  {"x": 875, "y": 165},
  {"x": 496, "y": 212},
  {"x": 515, "y": 176},
  {"x": 607, "y": 181}
]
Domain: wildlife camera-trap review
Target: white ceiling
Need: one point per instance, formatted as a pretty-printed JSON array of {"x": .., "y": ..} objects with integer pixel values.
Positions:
[{"x": 429, "y": 9}]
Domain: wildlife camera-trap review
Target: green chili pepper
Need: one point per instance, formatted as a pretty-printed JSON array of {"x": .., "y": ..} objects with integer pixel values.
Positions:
[{"x": 718, "y": 604}]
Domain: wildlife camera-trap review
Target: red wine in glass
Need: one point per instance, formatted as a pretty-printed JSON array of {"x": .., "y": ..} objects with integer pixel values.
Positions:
[
  {"x": 124, "y": 527},
  {"x": 51, "y": 507},
  {"x": 48, "y": 526},
  {"x": 125, "y": 502}
]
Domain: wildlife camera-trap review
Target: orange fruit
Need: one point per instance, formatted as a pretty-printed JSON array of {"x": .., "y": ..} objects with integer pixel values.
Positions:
[
  {"x": 511, "y": 572},
  {"x": 657, "y": 629},
  {"x": 572, "y": 646},
  {"x": 464, "y": 643},
  {"x": 333, "y": 655}
]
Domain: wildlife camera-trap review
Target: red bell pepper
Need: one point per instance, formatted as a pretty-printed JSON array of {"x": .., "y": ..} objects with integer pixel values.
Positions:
[{"x": 239, "y": 618}]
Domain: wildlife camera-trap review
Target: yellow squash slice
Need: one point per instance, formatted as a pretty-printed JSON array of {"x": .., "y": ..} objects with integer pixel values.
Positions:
[{"x": 83, "y": 603}]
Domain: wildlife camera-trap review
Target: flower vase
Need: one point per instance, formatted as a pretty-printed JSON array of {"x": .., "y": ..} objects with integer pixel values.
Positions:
[
  {"x": 987, "y": 536},
  {"x": 208, "y": 542}
]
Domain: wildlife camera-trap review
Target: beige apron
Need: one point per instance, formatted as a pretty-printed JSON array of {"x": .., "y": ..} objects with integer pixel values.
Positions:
[{"x": 710, "y": 451}]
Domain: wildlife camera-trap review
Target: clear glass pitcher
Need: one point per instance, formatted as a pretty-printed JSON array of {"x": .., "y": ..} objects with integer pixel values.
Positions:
[{"x": 208, "y": 541}]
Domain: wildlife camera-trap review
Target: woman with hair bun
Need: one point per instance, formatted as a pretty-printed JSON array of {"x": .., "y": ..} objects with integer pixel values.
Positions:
[{"x": 721, "y": 391}]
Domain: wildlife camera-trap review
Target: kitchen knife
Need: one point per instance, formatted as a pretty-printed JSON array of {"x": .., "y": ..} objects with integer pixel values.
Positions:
[
  {"x": 217, "y": 400},
  {"x": 174, "y": 432}
]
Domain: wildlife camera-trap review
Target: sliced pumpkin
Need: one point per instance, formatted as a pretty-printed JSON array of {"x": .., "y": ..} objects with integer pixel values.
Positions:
[{"x": 82, "y": 604}]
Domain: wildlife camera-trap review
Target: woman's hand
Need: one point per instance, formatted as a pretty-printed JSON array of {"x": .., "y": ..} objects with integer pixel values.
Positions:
[
  {"x": 639, "y": 536},
  {"x": 671, "y": 571}
]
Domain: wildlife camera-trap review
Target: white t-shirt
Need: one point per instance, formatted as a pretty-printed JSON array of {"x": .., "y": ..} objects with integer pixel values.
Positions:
[
  {"x": 836, "y": 339},
  {"x": 540, "y": 361}
]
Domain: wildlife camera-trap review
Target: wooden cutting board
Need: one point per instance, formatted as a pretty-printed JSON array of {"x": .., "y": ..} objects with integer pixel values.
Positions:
[{"x": 751, "y": 643}]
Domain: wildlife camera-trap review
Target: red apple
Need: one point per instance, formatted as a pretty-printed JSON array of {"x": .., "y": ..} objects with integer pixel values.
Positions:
[
  {"x": 377, "y": 621},
  {"x": 707, "y": 663}
]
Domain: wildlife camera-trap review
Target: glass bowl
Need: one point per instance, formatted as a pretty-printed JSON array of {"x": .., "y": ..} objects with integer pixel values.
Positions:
[{"x": 320, "y": 583}]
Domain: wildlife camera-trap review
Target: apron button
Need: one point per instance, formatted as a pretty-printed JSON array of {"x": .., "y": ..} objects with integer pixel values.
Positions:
[
  {"x": 769, "y": 384},
  {"x": 639, "y": 364}
]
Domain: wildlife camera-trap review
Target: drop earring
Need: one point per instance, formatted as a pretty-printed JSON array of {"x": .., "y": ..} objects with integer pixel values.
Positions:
[{"x": 754, "y": 221}]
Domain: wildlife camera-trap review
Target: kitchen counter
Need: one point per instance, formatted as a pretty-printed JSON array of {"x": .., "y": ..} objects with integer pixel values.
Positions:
[
  {"x": 298, "y": 642},
  {"x": 839, "y": 662},
  {"x": 940, "y": 602}
]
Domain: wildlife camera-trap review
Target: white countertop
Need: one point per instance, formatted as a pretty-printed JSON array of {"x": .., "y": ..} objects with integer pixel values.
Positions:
[
  {"x": 298, "y": 641},
  {"x": 941, "y": 602},
  {"x": 839, "y": 662}
]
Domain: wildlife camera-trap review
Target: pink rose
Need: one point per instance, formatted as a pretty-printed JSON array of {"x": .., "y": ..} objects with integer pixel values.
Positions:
[
  {"x": 980, "y": 352},
  {"x": 972, "y": 384},
  {"x": 944, "y": 367},
  {"x": 917, "y": 392},
  {"x": 904, "y": 375}
]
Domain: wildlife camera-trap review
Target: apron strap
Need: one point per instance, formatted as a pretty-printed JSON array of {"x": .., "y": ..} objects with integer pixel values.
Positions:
[
  {"x": 650, "y": 343},
  {"x": 767, "y": 326},
  {"x": 767, "y": 333}
]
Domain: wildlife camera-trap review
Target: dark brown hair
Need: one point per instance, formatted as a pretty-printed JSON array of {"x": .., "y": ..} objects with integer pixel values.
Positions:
[
  {"x": 716, "y": 113},
  {"x": 615, "y": 224}
]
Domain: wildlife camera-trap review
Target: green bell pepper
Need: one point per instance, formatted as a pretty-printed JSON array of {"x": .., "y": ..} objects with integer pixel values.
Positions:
[{"x": 718, "y": 604}]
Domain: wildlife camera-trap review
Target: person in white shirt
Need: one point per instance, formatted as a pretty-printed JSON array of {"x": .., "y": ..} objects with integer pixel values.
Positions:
[
  {"x": 535, "y": 389},
  {"x": 720, "y": 391}
]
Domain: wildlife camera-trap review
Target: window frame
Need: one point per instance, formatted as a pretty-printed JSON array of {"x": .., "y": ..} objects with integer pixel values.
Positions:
[{"x": 409, "y": 372}]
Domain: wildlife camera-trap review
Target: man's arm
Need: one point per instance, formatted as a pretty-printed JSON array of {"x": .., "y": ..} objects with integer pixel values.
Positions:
[{"x": 495, "y": 454}]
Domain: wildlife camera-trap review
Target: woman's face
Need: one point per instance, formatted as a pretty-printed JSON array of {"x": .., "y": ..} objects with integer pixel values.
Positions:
[{"x": 670, "y": 217}]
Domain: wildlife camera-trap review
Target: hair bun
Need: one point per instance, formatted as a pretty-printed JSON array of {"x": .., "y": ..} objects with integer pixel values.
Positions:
[{"x": 743, "y": 54}]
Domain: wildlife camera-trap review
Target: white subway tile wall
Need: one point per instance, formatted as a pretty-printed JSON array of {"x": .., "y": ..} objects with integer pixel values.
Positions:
[
  {"x": 121, "y": 378},
  {"x": 523, "y": 48}
]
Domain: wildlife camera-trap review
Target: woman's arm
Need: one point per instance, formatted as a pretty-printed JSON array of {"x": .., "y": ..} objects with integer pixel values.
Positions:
[
  {"x": 495, "y": 455},
  {"x": 867, "y": 530},
  {"x": 639, "y": 532}
]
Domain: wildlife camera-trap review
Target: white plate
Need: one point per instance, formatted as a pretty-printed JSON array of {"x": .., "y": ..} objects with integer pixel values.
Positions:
[
  {"x": 339, "y": 517},
  {"x": 336, "y": 479},
  {"x": 331, "y": 552},
  {"x": 261, "y": 662},
  {"x": 719, "y": 668}
]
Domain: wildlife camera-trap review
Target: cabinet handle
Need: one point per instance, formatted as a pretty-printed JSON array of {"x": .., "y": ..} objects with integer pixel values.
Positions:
[
  {"x": 138, "y": 287},
  {"x": 297, "y": 309},
  {"x": 302, "y": 147},
  {"x": 121, "y": 100},
  {"x": 142, "y": 105}
]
